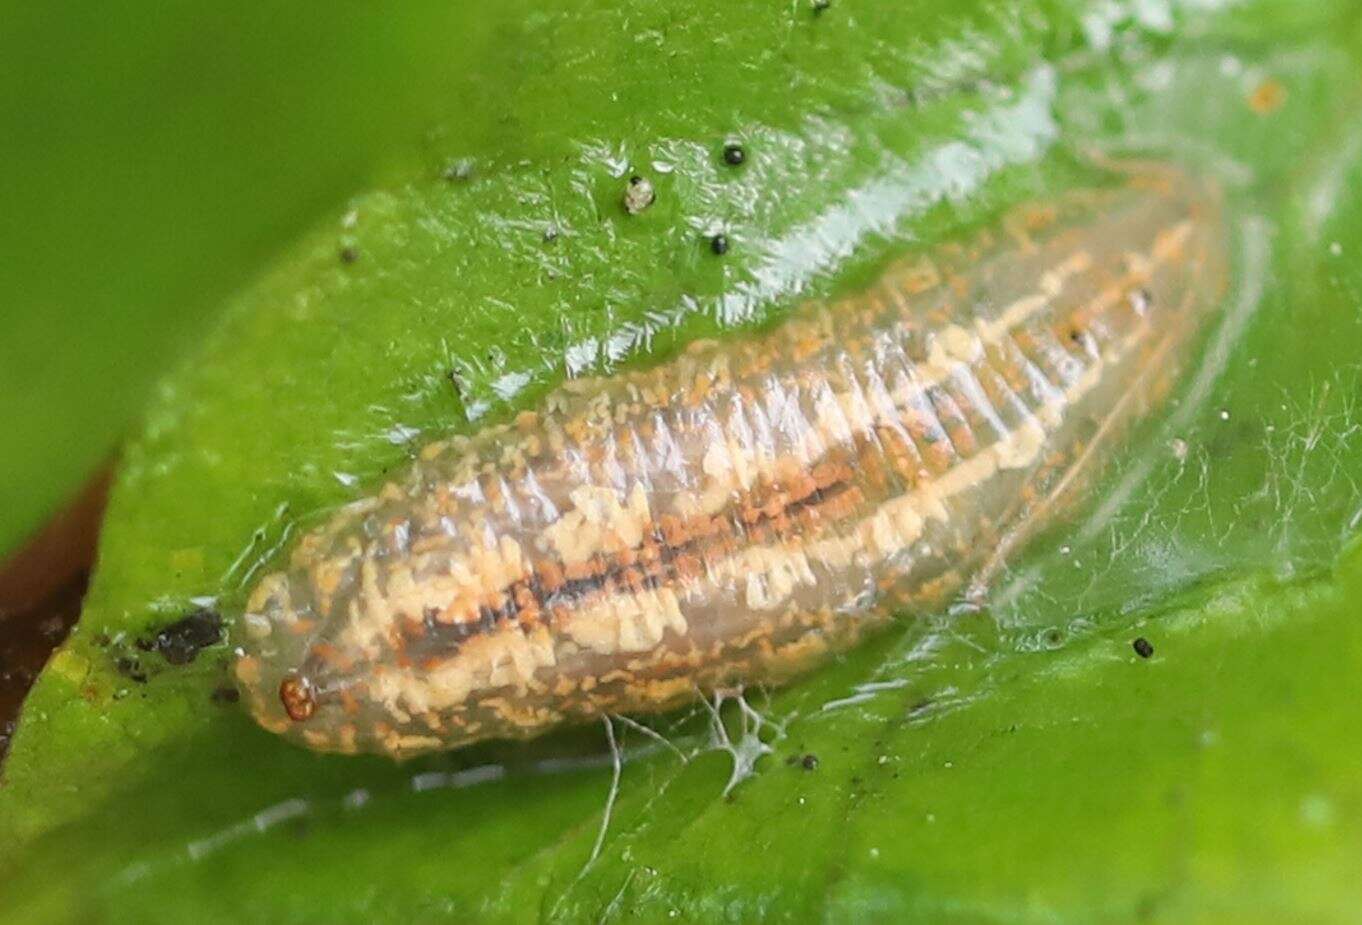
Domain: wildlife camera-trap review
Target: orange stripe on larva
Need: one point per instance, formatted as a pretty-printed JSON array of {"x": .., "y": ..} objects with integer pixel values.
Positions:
[{"x": 737, "y": 513}]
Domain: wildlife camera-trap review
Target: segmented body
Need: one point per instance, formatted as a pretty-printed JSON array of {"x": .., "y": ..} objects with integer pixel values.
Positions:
[{"x": 736, "y": 514}]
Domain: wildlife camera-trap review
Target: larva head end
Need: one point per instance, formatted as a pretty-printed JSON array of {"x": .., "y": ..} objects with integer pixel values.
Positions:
[{"x": 295, "y": 692}]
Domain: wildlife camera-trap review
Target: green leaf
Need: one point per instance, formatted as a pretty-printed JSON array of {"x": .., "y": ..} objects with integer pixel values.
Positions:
[
  {"x": 154, "y": 157},
  {"x": 1018, "y": 764}
]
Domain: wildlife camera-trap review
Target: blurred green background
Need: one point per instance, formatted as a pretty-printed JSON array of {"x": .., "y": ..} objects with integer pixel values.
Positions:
[{"x": 276, "y": 250}]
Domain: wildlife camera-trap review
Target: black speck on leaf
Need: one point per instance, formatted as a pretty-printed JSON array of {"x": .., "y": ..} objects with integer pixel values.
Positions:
[
  {"x": 131, "y": 669},
  {"x": 719, "y": 244},
  {"x": 349, "y": 254},
  {"x": 182, "y": 640},
  {"x": 809, "y": 762},
  {"x": 734, "y": 154},
  {"x": 225, "y": 694},
  {"x": 1143, "y": 647}
]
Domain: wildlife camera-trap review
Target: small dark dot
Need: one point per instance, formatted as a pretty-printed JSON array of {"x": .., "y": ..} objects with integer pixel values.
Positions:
[
  {"x": 820, "y": 5},
  {"x": 349, "y": 254},
  {"x": 719, "y": 244},
  {"x": 809, "y": 762},
  {"x": 225, "y": 694},
  {"x": 131, "y": 669},
  {"x": 1143, "y": 647},
  {"x": 182, "y": 640},
  {"x": 734, "y": 154}
]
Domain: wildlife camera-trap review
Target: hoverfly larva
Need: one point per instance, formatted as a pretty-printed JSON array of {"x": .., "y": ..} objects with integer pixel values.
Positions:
[{"x": 739, "y": 512}]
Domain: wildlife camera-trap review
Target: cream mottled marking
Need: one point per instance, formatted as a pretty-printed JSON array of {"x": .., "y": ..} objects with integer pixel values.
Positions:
[{"x": 740, "y": 512}]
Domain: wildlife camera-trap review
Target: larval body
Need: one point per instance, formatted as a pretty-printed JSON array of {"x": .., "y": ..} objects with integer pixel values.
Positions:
[{"x": 737, "y": 513}]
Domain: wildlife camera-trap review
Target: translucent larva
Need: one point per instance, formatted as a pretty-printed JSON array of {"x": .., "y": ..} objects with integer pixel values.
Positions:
[{"x": 736, "y": 514}]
